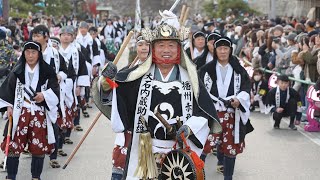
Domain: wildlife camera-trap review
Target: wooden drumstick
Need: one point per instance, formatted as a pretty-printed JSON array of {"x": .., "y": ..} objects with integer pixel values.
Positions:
[
  {"x": 163, "y": 121},
  {"x": 178, "y": 122},
  {"x": 81, "y": 141},
  {"x": 183, "y": 10},
  {"x": 186, "y": 14},
  {"x": 134, "y": 62},
  {"x": 123, "y": 46},
  {"x": 191, "y": 46}
]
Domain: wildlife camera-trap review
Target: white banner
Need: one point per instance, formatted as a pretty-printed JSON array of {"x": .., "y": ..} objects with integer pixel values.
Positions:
[{"x": 137, "y": 26}]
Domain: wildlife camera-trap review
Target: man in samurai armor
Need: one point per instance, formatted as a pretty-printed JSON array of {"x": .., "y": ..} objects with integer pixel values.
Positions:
[{"x": 167, "y": 83}]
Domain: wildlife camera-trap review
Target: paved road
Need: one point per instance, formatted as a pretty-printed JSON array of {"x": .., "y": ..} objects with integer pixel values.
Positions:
[{"x": 269, "y": 155}]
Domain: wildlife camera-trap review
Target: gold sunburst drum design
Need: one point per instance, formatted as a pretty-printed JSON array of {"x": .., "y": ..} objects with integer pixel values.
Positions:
[{"x": 178, "y": 165}]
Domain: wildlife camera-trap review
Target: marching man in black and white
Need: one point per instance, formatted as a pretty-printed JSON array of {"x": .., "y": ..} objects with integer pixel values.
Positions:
[
  {"x": 30, "y": 95},
  {"x": 77, "y": 61},
  {"x": 101, "y": 47},
  {"x": 228, "y": 84},
  {"x": 52, "y": 57},
  {"x": 93, "y": 60}
]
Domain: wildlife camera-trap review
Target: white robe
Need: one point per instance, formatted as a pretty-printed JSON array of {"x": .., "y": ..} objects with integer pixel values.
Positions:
[{"x": 49, "y": 96}]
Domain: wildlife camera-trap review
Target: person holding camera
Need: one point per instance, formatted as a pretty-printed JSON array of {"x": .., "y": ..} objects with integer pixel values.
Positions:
[
  {"x": 283, "y": 56},
  {"x": 227, "y": 83},
  {"x": 275, "y": 39},
  {"x": 310, "y": 58}
]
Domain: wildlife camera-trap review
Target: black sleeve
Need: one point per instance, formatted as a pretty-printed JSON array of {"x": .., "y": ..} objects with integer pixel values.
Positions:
[
  {"x": 188, "y": 51},
  {"x": 127, "y": 102},
  {"x": 262, "y": 49},
  {"x": 54, "y": 85},
  {"x": 71, "y": 72},
  {"x": 265, "y": 86},
  {"x": 270, "y": 100},
  {"x": 7, "y": 89},
  {"x": 245, "y": 85},
  {"x": 245, "y": 81},
  {"x": 201, "y": 60},
  {"x": 201, "y": 73},
  {"x": 198, "y": 112},
  {"x": 95, "y": 49},
  {"x": 63, "y": 66},
  {"x": 86, "y": 54},
  {"x": 206, "y": 97},
  {"x": 102, "y": 31},
  {"x": 82, "y": 65},
  {"x": 295, "y": 94},
  {"x": 104, "y": 48},
  {"x": 207, "y": 107}
]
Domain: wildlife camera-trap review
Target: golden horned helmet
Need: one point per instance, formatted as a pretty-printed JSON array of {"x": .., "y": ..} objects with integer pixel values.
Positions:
[{"x": 165, "y": 32}]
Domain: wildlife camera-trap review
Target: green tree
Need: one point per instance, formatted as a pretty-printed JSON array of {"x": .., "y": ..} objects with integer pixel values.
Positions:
[
  {"x": 226, "y": 7},
  {"x": 58, "y": 7},
  {"x": 20, "y": 8}
]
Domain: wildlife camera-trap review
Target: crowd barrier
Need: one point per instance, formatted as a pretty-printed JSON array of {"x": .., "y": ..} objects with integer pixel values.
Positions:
[{"x": 312, "y": 105}]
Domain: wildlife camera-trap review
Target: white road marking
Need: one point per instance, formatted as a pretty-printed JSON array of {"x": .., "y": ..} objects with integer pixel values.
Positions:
[{"x": 310, "y": 135}]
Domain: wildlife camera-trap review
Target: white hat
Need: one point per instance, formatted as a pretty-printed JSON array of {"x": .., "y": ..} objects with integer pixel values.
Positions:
[{"x": 170, "y": 18}]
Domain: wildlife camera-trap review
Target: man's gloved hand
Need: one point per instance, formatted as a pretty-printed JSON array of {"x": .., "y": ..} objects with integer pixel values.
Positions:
[
  {"x": 109, "y": 70},
  {"x": 104, "y": 84},
  {"x": 186, "y": 132}
]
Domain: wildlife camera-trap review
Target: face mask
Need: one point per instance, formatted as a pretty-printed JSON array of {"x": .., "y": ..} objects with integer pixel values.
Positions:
[{"x": 257, "y": 78}]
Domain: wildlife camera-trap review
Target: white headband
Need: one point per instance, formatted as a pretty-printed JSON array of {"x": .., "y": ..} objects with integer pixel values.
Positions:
[
  {"x": 39, "y": 49},
  {"x": 213, "y": 34},
  {"x": 199, "y": 32},
  {"x": 222, "y": 39}
]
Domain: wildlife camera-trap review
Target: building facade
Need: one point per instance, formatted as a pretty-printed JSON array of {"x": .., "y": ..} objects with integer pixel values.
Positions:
[{"x": 295, "y": 8}]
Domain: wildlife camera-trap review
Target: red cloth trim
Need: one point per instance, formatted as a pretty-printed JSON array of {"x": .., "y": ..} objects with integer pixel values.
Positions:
[
  {"x": 226, "y": 138},
  {"x": 119, "y": 154},
  {"x": 31, "y": 131},
  {"x": 197, "y": 161},
  {"x": 112, "y": 83}
]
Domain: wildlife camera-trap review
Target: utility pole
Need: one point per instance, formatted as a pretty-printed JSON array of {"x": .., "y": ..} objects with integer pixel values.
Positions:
[
  {"x": 74, "y": 5},
  {"x": 5, "y": 8},
  {"x": 272, "y": 12}
]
